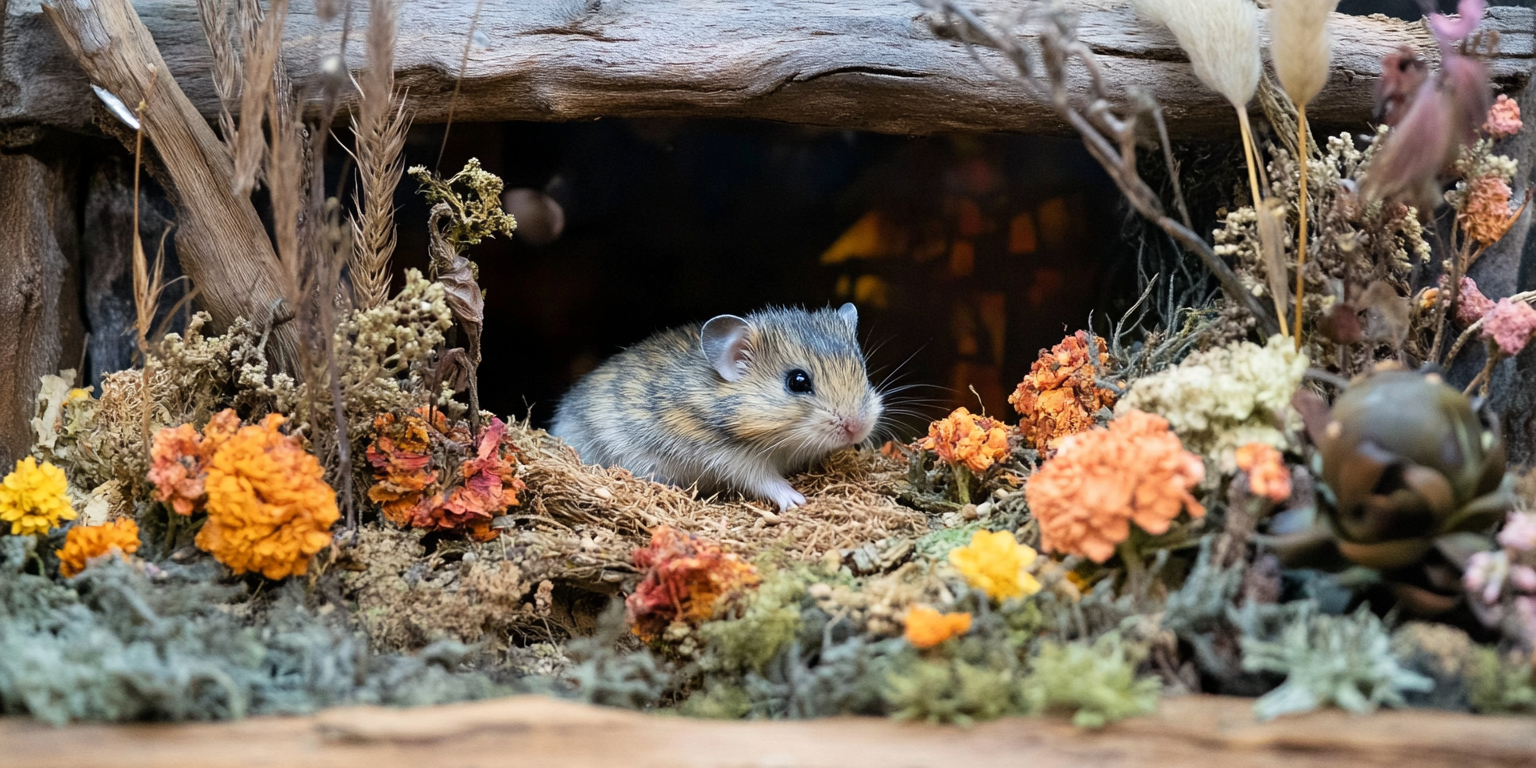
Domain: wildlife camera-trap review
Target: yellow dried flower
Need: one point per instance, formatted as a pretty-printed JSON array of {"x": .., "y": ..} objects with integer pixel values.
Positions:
[
  {"x": 965, "y": 438},
  {"x": 84, "y": 543},
  {"x": 35, "y": 498},
  {"x": 927, "y": 627},
  {"x": 269, "y": 508},
  {"x": 996, "y": 563}
]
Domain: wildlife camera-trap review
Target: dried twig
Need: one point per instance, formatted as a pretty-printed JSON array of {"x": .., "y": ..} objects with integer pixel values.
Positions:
[
  {"x": 1109, "y": 137},
  {"x": 469, "y": 41}
]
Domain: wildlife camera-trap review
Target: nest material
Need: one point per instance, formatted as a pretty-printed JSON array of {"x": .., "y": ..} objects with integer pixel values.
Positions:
[{"x": 850, "y": 501}]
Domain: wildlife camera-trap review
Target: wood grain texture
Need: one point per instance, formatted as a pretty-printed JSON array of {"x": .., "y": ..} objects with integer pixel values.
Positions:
[
  {"x": 39, "y": 290},
  {"x": 864, "y": 64},
  {"x": 220, "y": 240},
  {"x": 530, "y": 732}
]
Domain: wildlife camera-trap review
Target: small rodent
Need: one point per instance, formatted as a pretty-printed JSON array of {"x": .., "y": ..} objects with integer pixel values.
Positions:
[{"x": 732, "y": 404}]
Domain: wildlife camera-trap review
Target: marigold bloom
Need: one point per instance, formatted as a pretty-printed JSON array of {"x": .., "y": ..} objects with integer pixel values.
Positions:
[
  {"x": 84, "y": 543},
  {"x": 927, "y": 627},
  {"x": 1510, "y": 325},
  {"x": 1267, "y": 475},
  {"x": 996, "y": 563},
  {"x": 179, "y": 459},
  {"x": 1059, "y": 397},
  {"x": 965, "y": 438},
  {"x": 686, "y": 579},
  {"x": 1504, "y": 118},
  {"x": 1486, "y": 216},
  {"x": 269, "y": 508},
  {"x": 34, "y": 498},
  {"x": 1088, "y": 494}
]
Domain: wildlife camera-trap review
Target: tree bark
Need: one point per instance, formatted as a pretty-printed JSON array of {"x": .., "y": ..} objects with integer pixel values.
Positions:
[
  {"x": 863, "y": 64},
  {"x": 39, "y": 290}
]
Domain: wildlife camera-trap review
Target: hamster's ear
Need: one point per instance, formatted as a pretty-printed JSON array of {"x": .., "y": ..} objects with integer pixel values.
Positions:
[
  {"x": 727, "y": 344},
  {"x": 849, "y": 313}
]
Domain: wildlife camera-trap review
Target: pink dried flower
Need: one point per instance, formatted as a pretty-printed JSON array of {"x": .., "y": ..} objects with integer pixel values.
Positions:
[
  {"x": 1510, "y": 325},
  {"x": 1503, "y": 118},
  {"x": 1471, "y": 304},
  {"x": 1485, "y": 573},
  {"x": 1469, "y": 13},
  {"x": 1519, "y": 532},
  {"x": 1523, "y": 577}
]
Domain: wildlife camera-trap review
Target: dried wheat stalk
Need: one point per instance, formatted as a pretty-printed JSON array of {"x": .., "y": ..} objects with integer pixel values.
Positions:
[
  {"x": 263, "y": 44},
  {"x": 379, "y": 125}
]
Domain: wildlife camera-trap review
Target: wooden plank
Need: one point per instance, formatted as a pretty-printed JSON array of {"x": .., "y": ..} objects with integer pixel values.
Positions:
[
  {"x": 531, "y": 731},
  {"x": 863, "y": 64}
]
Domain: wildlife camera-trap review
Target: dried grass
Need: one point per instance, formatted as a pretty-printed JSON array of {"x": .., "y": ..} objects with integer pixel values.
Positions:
[
  {"x": 379, "y": 124},
  {"x": 849, "y": 502}
]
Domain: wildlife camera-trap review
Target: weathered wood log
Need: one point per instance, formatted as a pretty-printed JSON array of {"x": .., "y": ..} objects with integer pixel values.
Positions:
[
  {"x": 39, "y": 290},
  {"x": 865, "y": 64},
  {"x": 220, "y": 240},
  {"x": 529, "y": 731}
]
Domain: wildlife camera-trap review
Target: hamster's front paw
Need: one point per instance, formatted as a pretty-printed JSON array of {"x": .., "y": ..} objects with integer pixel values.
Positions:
[{"x": 779, "y": 491}]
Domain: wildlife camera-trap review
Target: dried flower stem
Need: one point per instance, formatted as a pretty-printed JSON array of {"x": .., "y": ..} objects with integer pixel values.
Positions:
[
  {"x": 1485, "y": 376},
  {"x": 1109, "y": 137},
  {"x": 1301, "y": 213},
  {"x": 1250, "y": 154},
  {"x": 469, "y": 39}
]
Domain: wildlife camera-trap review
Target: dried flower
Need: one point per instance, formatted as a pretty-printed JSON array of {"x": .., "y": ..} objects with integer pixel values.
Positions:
[
  {"x": 84, "y": 543},
  {"x": 1267, "y": 475},
  {"x": 1503, "y": 118},
  {"x": 1469, "y": 13},
  {"x": 1471, "y": 304},
  {"x": 1086, "y": 496},
  {"x": 1300, "y": 47},
  {"x": 927, "y": 627},
  {"x": 687, "y": 579},
  {"x": 1510, "y": 325},
  {"x": 1485, "y": 575},
  {"x": 1221, "y": 38},
  {"x": 963, "y": 438},
  {"x": 269, "y": 508},
  {"x": 1225, "y": 397},
  {"x": 1059, "y": 397},
  {"x": 1486, "y": 216},
  {"x": 179, "y": 460},
  {"x": 408, "y": 485},
  {"x": 1523, "y": 577},
  {"x": 1402, "y": 76},
  {"x": 996, "y": 563},
  {"x": 34, "y": 498},
  {"x": 1519, "y": 531},
  {"x": 1444, "y": 114}
]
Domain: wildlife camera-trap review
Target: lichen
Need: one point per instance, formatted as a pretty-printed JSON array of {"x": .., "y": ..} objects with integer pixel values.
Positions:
[{"x": 1096, "y": 682}]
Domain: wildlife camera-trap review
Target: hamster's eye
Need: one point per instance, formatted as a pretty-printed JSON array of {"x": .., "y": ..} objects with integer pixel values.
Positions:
[{"x": 799, "y": 382}]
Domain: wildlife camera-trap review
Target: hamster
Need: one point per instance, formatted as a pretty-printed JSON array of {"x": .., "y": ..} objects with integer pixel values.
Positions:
[{"x": 733, "y": 404}]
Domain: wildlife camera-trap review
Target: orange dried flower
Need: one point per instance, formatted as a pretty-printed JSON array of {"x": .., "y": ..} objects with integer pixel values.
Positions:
[
  {"x": 269, "y": 508},
  {"x": 84, "y": 543},
  {"x": 179, "y": 459},
  {"x": 408, "y": 487},
  {"x": 1267, "y": 475},
  {"x": 1486, "y": 216},
  {"x": 1059, "y": 397},
  {"x": 687, "y": 579},
  {"x": 927, "y": 627},
  {"x": 1102, "y": 480},
  {"x": 963, "y": 438}
]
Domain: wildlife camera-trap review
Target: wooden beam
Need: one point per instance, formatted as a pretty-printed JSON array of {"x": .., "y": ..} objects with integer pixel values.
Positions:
[
  {"x": 531, "y": 731},
  {"x": 861, "y": 64}
]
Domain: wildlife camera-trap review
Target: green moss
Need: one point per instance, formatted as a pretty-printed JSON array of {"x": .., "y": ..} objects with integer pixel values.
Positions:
[
  {"x": 1097, "y": 683},
  {"x": 1498, "y": 684},
  {"x": 949, "y": 691},
  {"x": 718, "y": 701},
  {"x": 605, "y": 674},
  {"x": 766, "y": 626},
  {"x": 937, "y": 545}
]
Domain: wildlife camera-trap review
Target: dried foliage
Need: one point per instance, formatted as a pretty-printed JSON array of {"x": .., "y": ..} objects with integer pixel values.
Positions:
[{"x": 1061, "y": 395}]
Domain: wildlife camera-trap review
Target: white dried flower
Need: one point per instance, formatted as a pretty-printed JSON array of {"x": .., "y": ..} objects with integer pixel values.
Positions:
[
  {"x": 1221, "y": 38},
  {"x": 1299, "y": 46}
]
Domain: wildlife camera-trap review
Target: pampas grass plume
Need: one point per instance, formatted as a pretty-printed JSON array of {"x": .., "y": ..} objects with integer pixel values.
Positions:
[
  {"x": 1221, "y": 38},
  {"x": 1300, "y": 46}
]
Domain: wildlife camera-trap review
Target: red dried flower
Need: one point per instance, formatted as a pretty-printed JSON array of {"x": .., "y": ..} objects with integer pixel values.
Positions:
[
  {"x": 687, "y": 579},
  {"x": 179, "y": 460},
  {"x": 1059, "y": 397},
  {"x": 410, "y": 487}
]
